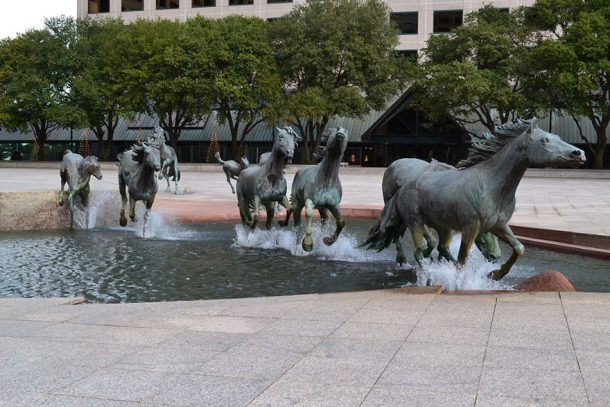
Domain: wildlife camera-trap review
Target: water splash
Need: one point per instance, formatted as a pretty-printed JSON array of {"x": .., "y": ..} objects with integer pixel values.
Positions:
[{"x": 344, "y": 249}]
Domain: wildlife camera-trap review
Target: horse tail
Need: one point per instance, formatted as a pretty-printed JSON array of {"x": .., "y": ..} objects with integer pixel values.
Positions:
[
  {"x": 389, "y": 227},
  {"x": 217, "y": 157}
]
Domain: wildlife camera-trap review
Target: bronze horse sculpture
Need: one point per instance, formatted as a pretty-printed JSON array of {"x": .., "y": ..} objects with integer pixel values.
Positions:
[
  {"x": 478, "y": 198},
  {"x": 405, "y": 172},
  {"x": 169, "y": 161},
  {"x": 232, "y": 168},
  {"x": 137, "y": 168},
  {"x": 319, "y": 187},
  {"x": 77, "y": 171},
  {"x": 265, "y": 184}
]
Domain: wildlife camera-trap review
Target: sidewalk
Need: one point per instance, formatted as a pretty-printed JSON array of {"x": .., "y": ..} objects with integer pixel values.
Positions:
[{"x": 375, "y": 348}]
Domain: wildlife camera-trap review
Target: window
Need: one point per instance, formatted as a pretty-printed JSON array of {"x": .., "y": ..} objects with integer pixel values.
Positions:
[
  {"x": 167, "y": 4},
  {"x": 278, "y": 1},
  {"x": 445, "y": 21},
  {"x": 240, "y": 2},
  {"x": 132, "y": 5},
  {"x": 407, "y": 54},
  {"x": 406, "y": 22},
  {"x": 98, "y": 6},
  {"x": 204, "y": 3}
]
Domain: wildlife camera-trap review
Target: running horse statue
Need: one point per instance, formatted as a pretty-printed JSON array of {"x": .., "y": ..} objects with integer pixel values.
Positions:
[
  {"x": 232, "y": 168},
  {"x": 169, "y": 160},
  {"x": 406, "y": 172},
  {"x": 77, "y": 171},
  {"x": 319, "y": 187},
  {"x": 478, "y": 198},
  {"x": 137, "y": 168},
  {"x": 265, "y": 184}
]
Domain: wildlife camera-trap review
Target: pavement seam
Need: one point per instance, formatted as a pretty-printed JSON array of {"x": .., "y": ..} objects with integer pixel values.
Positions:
[
  {"x": 399, "y": 348},
  {"x": 493, "y": 315},
  {"x": 308, "y": 353},
  {"x": 574, "y": 348}
]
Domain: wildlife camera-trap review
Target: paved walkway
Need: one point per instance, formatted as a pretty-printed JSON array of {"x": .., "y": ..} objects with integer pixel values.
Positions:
[
  {"x": 565, "y": 203},
  {"x": 375, "y": 348}
]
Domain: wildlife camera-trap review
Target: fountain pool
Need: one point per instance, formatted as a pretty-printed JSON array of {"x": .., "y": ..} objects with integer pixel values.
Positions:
[{"x": 222, "y": 260}]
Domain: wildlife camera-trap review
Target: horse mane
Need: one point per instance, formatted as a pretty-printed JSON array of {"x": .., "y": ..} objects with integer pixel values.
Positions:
[{"x": 489, "y": 144}]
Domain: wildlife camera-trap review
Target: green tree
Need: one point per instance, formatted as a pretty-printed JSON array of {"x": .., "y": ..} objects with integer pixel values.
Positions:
[
  {"x": 36, "y": 70},
  {"x": 336, "y": 57},
  {"x": 100, "y": 88},
  {"x": 475, "y": 73},
  {"x": 177, "y": 71},
  {"x": 247, "y": 84},
  {"x": 570, "y": 69}
]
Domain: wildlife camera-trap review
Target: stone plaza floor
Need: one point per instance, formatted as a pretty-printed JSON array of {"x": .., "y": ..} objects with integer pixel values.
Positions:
[{"x": 395, "y": 347}]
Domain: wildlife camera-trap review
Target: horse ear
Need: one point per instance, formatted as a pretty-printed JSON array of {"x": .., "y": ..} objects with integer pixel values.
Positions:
[{"x": 533, "y": 125}]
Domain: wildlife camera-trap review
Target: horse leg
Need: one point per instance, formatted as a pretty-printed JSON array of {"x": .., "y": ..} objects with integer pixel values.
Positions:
[
  {"x": 148, "y": 206},
  {"x": 270, "y": 208},
  {"x": 175, "y": 166},
  {"x": 445, "y": 236},
  {"x": 417, "y": 233},
  {"x": 431, "y": 240},
  {"x": 84, "y": 197},
  {"x": 329, "y": 240},
  {"x": 507, "y": 235},
  {"x": 60, "y": 202},
  {"x": 122, "y": 218},
  {"x": 468, "y": 235},
  {"x": 307, "y": 241},
  {"x": 257, "y": 211},
  {"x": 71, "y": 207},
  {"x": 229, "y": 181},
  {"x": 324, "y": 215},
  {"x": 286, "y": 204},
  {"x": 168, "y": 188},
  {"x": 400, "y": 253},
  {"x": 132, "y": 209},
  {"x": 244, "y": 212}
]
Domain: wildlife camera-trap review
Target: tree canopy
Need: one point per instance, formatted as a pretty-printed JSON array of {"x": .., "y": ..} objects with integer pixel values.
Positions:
[{"x": 336, "y": 58}]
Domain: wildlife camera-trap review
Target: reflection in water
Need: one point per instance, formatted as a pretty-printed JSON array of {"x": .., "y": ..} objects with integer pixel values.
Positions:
[{"x": 221, "y": 260}]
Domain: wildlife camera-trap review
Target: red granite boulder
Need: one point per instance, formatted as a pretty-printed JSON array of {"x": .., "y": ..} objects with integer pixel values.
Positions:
[{"x": 550, "y": 280}]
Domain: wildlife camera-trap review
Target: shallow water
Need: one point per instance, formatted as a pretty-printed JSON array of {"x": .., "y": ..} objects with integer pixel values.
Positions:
[{"x": 224, "y": 260}]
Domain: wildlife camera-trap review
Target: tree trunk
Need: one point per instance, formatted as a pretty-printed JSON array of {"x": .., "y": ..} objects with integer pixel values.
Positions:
[
  {"x": 174, "y": 135},
  {"x": 41, "y": 138},
  {"x": 235, "y": 149}
]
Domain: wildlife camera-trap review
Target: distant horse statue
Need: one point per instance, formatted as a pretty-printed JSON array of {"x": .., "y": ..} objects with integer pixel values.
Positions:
[
  {"x": 265, "y": 184},
  {"x": 169, "y": 161},
  {"x": 232, "y": 168},
  {"x": 406, "y": 172},
  {"x": 319, "y": 187},
  {"x": 77, "y": 171},
  {"x": 478, "y": 198},
  {"x": 137, "y": 168}
]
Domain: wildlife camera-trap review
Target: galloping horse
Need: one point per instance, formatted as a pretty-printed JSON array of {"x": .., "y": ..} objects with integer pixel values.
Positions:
[
  {"x": 77, "y": 171},
  {"x": 480, "y": 198},
  {"x": 319, "y": 187},
  {"x": 137, "y": 168},
  {"x": 265, "y": 184},
  {"x": 169, "y": 160},
  {"x": 232, "y": 168}
]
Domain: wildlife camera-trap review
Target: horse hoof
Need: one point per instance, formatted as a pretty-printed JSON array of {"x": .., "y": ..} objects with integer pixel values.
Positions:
[
  {"x": 496, "y": 275},
  {"x": 282, "y": 223},
  {"x": 401, "y": 260},
  {"x": 307, "y": 244},
  {"x": 328, "y": 241},
  {"x": 123, "y": 222}
]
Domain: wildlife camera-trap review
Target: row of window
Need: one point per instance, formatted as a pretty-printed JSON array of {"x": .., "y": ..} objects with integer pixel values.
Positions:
[
  {"x": 103, "y": 6},
  {"x": 444, "y": 21}
]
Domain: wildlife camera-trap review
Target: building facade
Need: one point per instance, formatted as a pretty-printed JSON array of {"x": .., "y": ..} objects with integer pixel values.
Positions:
[{"x": 416, "y": 19}]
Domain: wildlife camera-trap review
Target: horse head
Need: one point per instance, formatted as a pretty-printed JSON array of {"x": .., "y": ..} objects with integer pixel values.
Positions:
[
  {"x": 150, "y": 155},
  {"x": 92, "y": 166},
  {"x": 333, "y": 143},
  {"x": 547, "y": 149},
  {"x": 286, "y": 141},
  {"x": 244, "y": 161}
]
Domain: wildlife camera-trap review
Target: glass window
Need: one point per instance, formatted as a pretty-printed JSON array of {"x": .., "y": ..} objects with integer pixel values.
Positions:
[
  {"x": 204, "y": 3},
  {"x": 167, "y": 4},
  {"x": 98, "y": 6},
  {"x": 240, "y": 2},
  {"x": 408, "y": 54},
  {"x": 406, "y": 22},
  {"x": 278, "y": 1},
  {"x": 445, "y": 21},
  {"x": 132, "y": 5}
]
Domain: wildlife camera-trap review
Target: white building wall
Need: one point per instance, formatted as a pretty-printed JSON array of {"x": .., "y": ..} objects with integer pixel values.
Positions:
[{"x": 260, "y": 8}]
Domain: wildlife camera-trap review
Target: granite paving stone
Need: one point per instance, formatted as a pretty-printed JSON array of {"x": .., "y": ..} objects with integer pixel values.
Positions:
[
  {"x": 212, "y": 341},
  {"x": 449, "y": 335},
  {"x": 531, "y": 337},
  {"x": 287, "y": 393},
  {"x": 502, "y": 401},
  {"x": 165, "y": 359},
  {"x": 209, "y": 391},
  {"x": 76, "y": 401},
  {"x": 416, "y": 397},
  {"x": 363, "y": 330},
  {"x": 523, "y": 358},
  {"x": 293, "y": 327}
]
